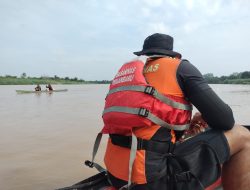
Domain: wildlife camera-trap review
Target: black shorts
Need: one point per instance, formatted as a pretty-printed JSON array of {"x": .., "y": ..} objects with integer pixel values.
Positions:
[{"x": 202, "y": 154}]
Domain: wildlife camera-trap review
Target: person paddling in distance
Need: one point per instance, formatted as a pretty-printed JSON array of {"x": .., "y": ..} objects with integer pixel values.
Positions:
[
  {"x": 49, "y": 87},
  {"x": 38, "y": 88},
  {"x": 146, "y": 115}
]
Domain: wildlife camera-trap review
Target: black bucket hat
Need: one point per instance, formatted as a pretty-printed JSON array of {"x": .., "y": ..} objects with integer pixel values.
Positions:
[{"x": 159, "y": 44}]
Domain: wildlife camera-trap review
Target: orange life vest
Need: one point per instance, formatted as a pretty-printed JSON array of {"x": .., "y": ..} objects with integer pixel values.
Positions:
[{"x": 142, "y": 98}]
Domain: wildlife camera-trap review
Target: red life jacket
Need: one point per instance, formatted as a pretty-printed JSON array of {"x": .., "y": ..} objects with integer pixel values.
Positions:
[{"x": 132, "y": 102}]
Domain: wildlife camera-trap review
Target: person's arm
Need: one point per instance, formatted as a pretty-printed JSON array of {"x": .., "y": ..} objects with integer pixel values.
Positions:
[{"x": 214, "y": 111}]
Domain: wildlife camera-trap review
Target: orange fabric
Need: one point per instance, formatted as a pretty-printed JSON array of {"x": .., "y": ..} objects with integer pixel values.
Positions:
[
  {"x": 164, "y": 78},
  {"x": 173, "y": 137},
  {"x": 119, "y": 156},
  {"x": 160, "y": 73},
  {"x": 117, "y": 163}
]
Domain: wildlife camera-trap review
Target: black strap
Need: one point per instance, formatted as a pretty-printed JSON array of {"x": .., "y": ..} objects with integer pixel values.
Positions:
[
  {"x": 94, "y": 165},
  {"x": 187, "y": 177},
  {"x": 142, "y": 144},
  {"x": 184, "y": 176}
]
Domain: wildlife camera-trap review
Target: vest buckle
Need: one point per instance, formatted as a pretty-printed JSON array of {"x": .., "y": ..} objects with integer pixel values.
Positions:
[
  {"x": 149, "y": 90},
  {"x": 143, "y": 112},
  {"x": 89, "y": 163},
  {"x": 139, "y": 144}
]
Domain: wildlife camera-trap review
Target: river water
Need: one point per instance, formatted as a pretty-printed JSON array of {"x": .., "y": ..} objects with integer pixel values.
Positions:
[{"x": 45, "y": 138}]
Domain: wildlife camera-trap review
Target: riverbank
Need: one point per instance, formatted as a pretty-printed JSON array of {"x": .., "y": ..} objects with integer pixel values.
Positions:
[
  {"x": 10, "y": 80},
  {"x": 235, "y": 78},
  {"x": 236, "y": 81}
]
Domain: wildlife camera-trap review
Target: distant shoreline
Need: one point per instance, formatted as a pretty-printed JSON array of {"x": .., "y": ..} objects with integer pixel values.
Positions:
[
  {"x": 235, "y": 78},
  {"x": 12, "y": 80}
]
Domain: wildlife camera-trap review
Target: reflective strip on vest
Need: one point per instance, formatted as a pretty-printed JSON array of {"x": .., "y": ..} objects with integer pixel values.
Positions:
[
  {"x": 148, "y": 115},
  {"x": 157, "y": 95}
]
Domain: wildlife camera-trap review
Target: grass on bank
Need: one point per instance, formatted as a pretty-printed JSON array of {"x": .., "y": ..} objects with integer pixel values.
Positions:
[
  {"x": 10, "y": 80},
  {"x": 237, "y": 81},
  {"x": 235, "y": 78}
]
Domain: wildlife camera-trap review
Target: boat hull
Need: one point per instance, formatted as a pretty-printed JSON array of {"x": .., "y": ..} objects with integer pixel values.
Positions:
[{"x": 42, "y": 91}]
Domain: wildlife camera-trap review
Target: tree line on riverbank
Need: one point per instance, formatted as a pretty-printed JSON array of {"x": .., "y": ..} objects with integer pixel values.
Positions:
[
  {"x": 235, "y": 78},
  {"x": 26, "y": 80}
]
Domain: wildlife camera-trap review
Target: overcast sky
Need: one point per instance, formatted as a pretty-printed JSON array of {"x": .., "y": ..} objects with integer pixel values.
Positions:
[{"x": 90, "y": 39}]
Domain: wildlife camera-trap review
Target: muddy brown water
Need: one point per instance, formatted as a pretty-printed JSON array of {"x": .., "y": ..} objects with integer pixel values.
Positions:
[{"x": 45, "y": 138}]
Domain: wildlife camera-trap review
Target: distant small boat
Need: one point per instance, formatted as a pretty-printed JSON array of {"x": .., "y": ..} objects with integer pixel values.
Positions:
[{"x": 33, "y": 91}]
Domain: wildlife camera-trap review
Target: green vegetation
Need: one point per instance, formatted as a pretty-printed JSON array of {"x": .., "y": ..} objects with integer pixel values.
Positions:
[
  {"x": 235, "y": 78},
  {"x": 24, "y": 80}
]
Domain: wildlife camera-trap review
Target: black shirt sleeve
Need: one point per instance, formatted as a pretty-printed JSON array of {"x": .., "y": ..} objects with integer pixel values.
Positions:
[{"x": 214, "y": 111}]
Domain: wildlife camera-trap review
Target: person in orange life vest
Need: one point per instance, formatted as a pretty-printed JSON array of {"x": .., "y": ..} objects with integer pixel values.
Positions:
[
  {"x": 49, "y": 87},
  {"x": 181, "y": 82}
]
